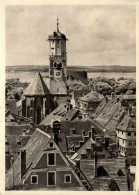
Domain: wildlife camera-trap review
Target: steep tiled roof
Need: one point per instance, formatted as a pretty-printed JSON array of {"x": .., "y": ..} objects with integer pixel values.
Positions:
[
  {"x": 58, "y": 87},
  {"x": 73, "y": 140},
  {"x": 37, "y": 87},
  {"x": 58, "y": 114},
  {"x": 79, "y": 126},
  {"x": 71, "y": 115},
  {"x": 127, "y": 124},
  {"x": 93, "y": 96},
  {"x": 111, "y": 166},
  {"x": 18, "y": 129},
  {"x": 100, "y": 108},
  {"x": 12, "y": 118},
  {"x": 33, "y": 148}
]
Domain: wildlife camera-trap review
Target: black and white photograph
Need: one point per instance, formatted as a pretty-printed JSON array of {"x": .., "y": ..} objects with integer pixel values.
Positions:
[{"x": 70, "y": 97}]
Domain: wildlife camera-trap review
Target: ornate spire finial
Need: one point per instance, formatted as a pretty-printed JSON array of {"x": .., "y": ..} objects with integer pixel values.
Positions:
[{"x": 57, "y": 24}]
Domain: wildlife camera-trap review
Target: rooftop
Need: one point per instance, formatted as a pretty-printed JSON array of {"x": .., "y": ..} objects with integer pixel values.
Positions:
[{"x": 37, "y": 87}]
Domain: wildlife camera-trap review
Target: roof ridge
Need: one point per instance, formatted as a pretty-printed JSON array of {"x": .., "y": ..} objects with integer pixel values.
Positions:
[{"x": 44, "y": 133}]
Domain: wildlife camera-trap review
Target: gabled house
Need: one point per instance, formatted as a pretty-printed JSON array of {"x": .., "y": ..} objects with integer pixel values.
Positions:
[
  {"x": 89, "y": 102},
  {"x": 41, "y": 165},
  {"x": 126, "y": 133}
]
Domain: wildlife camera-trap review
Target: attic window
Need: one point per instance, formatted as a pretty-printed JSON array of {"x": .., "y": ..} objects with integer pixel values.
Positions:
[
  {"x": 122, "y": 124},
  {"x": 120, "y": 173},
  {"x": 67, "y": 179},
  {"x": 51, "y": 159},
  {"x": 51, "y": 145},
  {"x": 34, "y": 179}
]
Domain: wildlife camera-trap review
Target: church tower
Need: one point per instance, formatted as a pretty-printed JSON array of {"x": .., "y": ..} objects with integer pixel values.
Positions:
[{"x": 58, "y": 63}]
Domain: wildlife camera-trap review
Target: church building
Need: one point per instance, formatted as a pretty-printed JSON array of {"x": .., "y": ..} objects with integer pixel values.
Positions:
[{"x": 37, "y": 101}]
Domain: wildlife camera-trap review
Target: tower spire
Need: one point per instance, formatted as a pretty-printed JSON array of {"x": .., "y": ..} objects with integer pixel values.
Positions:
[{"x": 57, "y": 24}]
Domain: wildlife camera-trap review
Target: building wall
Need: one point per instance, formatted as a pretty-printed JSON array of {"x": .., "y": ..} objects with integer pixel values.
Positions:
[
  {"x": 60, "y": 168},
  {"x": 32, "y": 105},
  {"x": 127, "y": 144},
  {"x": 43, "y": 180}
]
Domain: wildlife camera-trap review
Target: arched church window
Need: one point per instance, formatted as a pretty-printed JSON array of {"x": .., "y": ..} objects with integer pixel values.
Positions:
[
  {"x": 28, "y": 111},
  {"x": 31, "y": 103},
  {"x": 38, "y": 115}
]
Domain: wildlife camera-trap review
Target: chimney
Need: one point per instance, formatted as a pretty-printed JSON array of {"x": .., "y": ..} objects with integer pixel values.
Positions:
[
  {"x": 56, "y": 129},
  {"x": 93, "y": 132},
  {"x": 106, "y": 98},
  {"x": 95, "y": 163},
  {"x": 83, "y": 133},
  {"x": 117, "y": 99},
  {"x": 112, "y": 95},
  {"x": 106, "y": 142},
  {"x": 98, "y": 139},
  {"x": 90, "y": 134},
  {"x": 23, "y": 162}
]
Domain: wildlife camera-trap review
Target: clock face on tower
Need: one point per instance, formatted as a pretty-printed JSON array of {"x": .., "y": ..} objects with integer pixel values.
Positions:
[{"x": 57, "y": 74}]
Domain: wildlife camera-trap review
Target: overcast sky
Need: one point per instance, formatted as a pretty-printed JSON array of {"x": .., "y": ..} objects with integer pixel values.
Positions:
[{"x": 98, "y": 34}]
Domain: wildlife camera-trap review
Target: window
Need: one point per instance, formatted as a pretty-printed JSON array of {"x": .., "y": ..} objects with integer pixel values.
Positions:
[
  {"x": 67, "y": 179},
  {"x": 129, "y": 133},
  {"x": 122, "y": 132},
  {"x": 34, "y": 179},
  {"x": 123, "y": 141},
  {"x": 51, "y": 159},
  {"x": 51, "y": 144},
  {"x": 51, "y": 178},
  {"x": 134, "y": 133},
  {"x": 130, "y": 143}
]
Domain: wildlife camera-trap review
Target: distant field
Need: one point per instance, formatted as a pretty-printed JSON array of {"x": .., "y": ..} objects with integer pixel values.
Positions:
[{"x": 45, "y": 68}]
